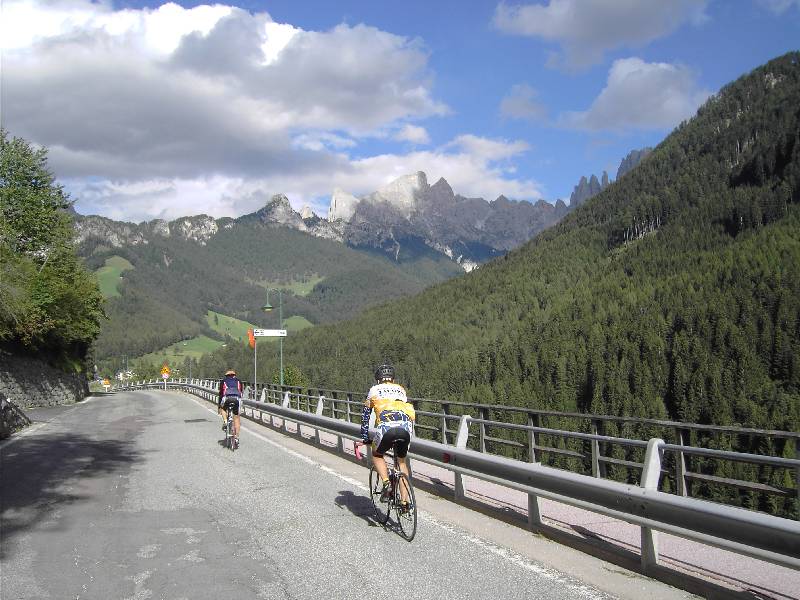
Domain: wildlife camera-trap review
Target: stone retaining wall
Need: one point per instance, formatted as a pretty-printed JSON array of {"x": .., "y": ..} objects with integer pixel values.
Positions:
[{"x": 30, "y": 383}]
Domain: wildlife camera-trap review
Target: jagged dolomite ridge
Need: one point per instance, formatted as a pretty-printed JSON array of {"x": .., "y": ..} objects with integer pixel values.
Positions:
[
  {"x": 343, "y": 205},
  {"x": 198, "y": 229},
  {"x": 401, "y": 193}
]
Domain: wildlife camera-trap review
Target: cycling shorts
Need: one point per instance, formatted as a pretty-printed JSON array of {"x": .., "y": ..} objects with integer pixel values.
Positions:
[
  {"x": 232, "y": 403},
  {"x": 386, "y": 436}
]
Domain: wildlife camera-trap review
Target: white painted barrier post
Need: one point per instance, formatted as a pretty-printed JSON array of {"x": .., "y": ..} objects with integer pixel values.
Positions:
[
  {"x": 462, "y": 436},
  {"x": 650, "y": 476},
  {"x": 286, "y": 405},
  {"x": 320, "y": 408}
]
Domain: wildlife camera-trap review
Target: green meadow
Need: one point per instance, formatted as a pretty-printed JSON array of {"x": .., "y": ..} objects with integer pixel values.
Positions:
[
  {"x": 108, "y": 276},
  {"x": 302, "y": 287},
  {"x": 179, "y": 351},
  {"x": 228, "y": 326}
]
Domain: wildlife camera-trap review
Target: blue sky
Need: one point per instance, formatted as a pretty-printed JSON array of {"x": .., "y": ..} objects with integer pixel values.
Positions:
[{"x": 158, "y": 111}]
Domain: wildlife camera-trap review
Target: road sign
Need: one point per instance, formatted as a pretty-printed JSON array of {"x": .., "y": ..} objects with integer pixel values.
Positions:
[
  {"x": 165, "y": 375},
  {"x": 269, "y": 333}
]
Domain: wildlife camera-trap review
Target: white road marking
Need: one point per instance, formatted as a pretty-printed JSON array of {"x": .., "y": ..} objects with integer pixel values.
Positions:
[{"x": 581, "y": 591}]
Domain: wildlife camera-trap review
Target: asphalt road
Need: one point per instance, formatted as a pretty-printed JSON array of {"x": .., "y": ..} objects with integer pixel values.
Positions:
[{"x": 133, "y": 496}]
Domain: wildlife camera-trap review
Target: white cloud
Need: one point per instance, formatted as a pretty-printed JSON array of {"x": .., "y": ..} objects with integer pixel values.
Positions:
[
  {"x": 320, "y": 141},
  {"x": 170, "y": 111},
  {"x": 520, "y": 103},
  {"x": 488, "y": 149},
  {"x": 473, "y": 166},
  {"x": 640, "y": 95},
  {"x": 193, "y": 92},
  {"x": 413, "y": 134},
  {"x": 779, "y": 6},
  {"x": 586, "y": 29}
]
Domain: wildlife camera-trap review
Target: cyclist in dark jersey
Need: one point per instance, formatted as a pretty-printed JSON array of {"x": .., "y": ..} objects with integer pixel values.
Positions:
[{"x": 230, "y": 398}]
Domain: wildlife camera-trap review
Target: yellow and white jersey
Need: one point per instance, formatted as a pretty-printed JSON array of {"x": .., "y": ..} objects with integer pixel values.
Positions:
[{"x": 390, "y": 403}]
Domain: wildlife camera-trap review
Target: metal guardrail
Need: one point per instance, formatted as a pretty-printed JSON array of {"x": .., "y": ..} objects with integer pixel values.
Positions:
[
  {"x": 751, "y": 533},
  {"x": 694, "y": 470}
]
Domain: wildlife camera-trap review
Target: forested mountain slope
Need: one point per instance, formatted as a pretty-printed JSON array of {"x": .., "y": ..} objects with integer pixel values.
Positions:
[
  {"x": 673, "y": 293},
  {"x": 175, "y": 281}
]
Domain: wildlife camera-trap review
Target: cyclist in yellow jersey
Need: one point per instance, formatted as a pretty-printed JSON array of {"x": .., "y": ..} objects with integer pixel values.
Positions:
[{"x": 394, "y": 421}]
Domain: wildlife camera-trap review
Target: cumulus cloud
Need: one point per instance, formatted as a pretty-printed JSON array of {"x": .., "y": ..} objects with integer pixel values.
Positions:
[
  {"x": 191, "y": 92},
  {"x": 779, "y": 6},
  {"x": 641, "y": 95},
  {"x": 414, "y": 134},
  {"x": 520, "y": 103},
  {"x": 586, "y": 29},
  {"x": 473, "y": 166},
  {"x": 168, "y": 111},
  {"x": 319, "y": 141}
]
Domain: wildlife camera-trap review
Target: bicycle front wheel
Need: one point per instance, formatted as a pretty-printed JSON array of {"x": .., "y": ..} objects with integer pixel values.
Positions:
[
  {"x": 375, "y": 489},
  {"x": 405, "y": 507}
]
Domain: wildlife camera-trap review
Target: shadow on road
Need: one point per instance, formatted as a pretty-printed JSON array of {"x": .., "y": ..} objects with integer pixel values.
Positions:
[
  {"x": 39, "y": 475},
  {"x": 360, "y": 506}
]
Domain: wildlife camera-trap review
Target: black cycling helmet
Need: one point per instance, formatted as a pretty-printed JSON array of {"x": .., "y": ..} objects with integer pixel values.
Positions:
[{"x": 385, "y": 371}]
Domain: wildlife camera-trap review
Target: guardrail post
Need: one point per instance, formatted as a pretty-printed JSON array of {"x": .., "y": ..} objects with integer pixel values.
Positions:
[
  {"x": 482, "y": 430},
  {"x": 595, "y": 445},
  {"x": 534, "y": 513},
  {"x": 285, "y": 404},
  {"x": 462, "y": 436},
  {"x": 445, "y": 412},
  {"x": 650, "y": 476},
  {"x": 680, "y": 465},
  {"x": 339, "y": 438},
  {"x": 797, "y": 474},
  {"x": 320, "y": 408},
  {"x": 533, "y": 421}
]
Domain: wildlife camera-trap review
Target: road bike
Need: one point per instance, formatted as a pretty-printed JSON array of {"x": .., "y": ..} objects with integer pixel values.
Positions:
[
  {"x": 230, "y": 441},
  {"x": 405, "y": 513}
]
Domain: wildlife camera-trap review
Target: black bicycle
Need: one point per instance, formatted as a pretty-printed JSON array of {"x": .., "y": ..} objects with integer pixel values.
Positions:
[
  {"x": 230, "y": 441},
  {"x": 398, "y": 499}
]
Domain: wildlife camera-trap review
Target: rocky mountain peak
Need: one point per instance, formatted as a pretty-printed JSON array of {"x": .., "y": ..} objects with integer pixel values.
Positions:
[
  {"x": 442, "y": 189},
  {"x": 587, "y": 188},
  {"x": 279, "y": 211},
  {"x": 198, "y": 228},
  {"x": 402, "y": 192},
  {"x": 634, "y": 158},
  {"x": 343, "y": 205}
]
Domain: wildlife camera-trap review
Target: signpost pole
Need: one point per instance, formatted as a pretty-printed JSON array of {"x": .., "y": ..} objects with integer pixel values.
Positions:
[
  {"x": 278, "y": 333},
  {"x": 280, "y": 325},
  {"x": 165, "y": 372}
]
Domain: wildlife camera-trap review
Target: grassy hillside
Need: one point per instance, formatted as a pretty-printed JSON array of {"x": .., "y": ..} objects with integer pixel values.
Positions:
[
  {"x": 176, "y": 354},
  {"x": 228, "y": 326},
  {"x": 108, "y": 276},
  {"x": 171, "y": 284}
]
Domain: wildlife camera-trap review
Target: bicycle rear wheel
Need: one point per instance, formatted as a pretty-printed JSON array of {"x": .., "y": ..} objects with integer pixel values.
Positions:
[
  {"x": 406, "y": 515},
  {"x": 229, "y": 435},
  {"x": 375, "y": 489}
]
